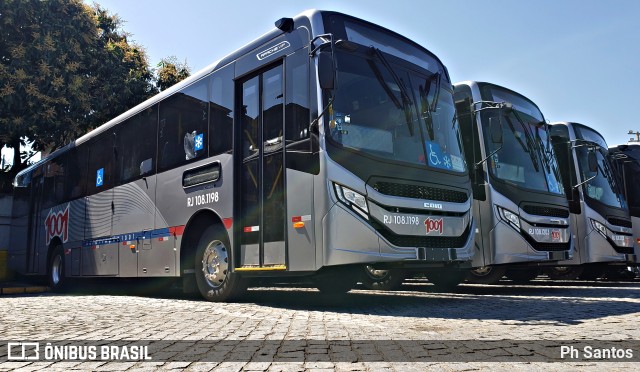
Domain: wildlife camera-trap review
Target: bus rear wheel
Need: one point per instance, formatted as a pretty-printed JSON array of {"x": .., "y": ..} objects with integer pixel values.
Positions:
[
  {"x": 56, "y": 270},
  {"x": 383, "y": 280},
  {"x": 213, "y": 257},
  {"x": 486, "y": 274}
]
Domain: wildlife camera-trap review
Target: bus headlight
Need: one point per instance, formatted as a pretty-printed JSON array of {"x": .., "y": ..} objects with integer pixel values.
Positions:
[
  {"x": 510, "y": 217},
  {"x": 352, "y": 199},
  {"x": 599, "y": 228}
]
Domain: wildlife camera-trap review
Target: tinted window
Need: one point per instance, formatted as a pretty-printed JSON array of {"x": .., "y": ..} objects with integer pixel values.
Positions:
[
  {"x": 101, "y": 163},
  {"x": 297, "y": 108},
  {"x": 183, "y": 125},
  {"x": 77, "y": 175},
  {"x": 221, "y": 127},
  {"x": 137, "y": 146},
  {"x": 54, "y": 176}
]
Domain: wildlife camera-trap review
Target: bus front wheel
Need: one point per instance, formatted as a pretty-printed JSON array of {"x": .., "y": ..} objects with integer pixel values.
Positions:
[
  {"x": 486, "y": 274},
  {"x": 383, "y": 280},
  {"x": 564, "y": 272},
  {"x": 212, "y": 263},
  {"x": 446, "y": 280}
]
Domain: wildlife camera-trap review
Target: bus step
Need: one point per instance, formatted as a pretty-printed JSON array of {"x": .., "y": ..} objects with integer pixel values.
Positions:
[{"x": 262, "y": 268}]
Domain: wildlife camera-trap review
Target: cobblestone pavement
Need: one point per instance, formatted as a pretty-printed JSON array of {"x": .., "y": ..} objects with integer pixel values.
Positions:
[{"x": 307, "y": 319}]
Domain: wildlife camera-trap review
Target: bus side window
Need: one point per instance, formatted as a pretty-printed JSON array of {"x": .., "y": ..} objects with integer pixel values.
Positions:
[
  {"x": 77, "y": 173},
  {"x": 137, "y": 145},
  {"x": 221, "y": 126},
  {"x": 184, "y": 119},
  {"x": 100, "y": 174},
  {"x": 54, "y": 176},
  {"x": 298, "y": 135}
]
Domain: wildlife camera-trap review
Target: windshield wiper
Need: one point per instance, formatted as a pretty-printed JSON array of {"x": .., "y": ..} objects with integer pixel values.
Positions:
[
  {"x": 428, "y": 108},
  {"x": 531, "y": 144},
  {"x": 406, "y": 100}
]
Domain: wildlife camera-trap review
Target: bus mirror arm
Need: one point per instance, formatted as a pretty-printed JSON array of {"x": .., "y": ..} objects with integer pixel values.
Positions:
[
  {"x": 585, "y": 181},
  {"x": 479, "y": 164}
]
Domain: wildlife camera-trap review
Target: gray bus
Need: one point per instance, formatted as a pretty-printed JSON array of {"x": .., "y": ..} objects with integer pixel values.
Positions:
[
  {"x": 599, "y": 211},
  {"x": 519, "y": 202},
  {"x": 325, "y": 145},
  {"x": 626, "y": 158}
]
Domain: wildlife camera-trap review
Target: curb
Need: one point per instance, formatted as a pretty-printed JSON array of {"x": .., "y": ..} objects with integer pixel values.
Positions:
[{"x": 23, "y": 290}]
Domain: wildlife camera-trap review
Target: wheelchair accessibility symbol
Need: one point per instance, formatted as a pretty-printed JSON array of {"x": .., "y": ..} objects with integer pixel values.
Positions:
[
  {"x": 437, "y": 158},
  {"x": 99, "y": 177}
]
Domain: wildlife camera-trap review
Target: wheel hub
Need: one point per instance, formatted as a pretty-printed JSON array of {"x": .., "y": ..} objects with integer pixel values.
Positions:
[
  {"x": 215, "y": 264},
  {"x": 376, "y": 274},
  {"x": 482, "y": 271}
]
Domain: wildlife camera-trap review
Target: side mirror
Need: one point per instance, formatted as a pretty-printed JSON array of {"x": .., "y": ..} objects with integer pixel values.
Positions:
[
  {"x": 495, "y": 127},
  {"x": 326, "y": 70},
  {"x": 593, "y": 162}
]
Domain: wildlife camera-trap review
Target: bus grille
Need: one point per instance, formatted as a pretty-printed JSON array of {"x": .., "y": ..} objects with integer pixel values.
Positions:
[
  {"x": 619, "y": 222},
  {"x": 426, "y": 241},
  {"x": 420, "y": 192},
  {"x": 540, "y": 210}
]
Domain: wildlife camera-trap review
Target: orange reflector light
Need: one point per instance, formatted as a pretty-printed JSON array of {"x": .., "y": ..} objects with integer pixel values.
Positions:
[
  {"x": 132, "y": 246},
  {"x": 638, "y": 240},
  {"x": 298, "y": 225}
]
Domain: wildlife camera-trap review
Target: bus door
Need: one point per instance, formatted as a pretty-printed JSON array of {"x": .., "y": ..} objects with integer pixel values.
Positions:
[
  {"x": 100, "y": 249},
  {"x": 36, "y": 225},
  {"x": 262, "y": 208}
]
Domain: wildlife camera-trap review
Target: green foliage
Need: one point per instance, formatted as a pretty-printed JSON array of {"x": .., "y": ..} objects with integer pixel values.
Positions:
[
  {"x": 65, "y": 68},
  {"x": 171, "y": 71}
]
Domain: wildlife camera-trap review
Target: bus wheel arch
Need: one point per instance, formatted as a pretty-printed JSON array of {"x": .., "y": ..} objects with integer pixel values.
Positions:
[{"x": 193, "y": 231}]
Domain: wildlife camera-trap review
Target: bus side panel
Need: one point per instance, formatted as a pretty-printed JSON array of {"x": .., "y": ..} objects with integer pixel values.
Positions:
[
  {"x": 176, "y": 204},
  {"x": 99, "y": 253},
  {"x": 301, "y": 247},
  {"x": 134, "y": 213}
]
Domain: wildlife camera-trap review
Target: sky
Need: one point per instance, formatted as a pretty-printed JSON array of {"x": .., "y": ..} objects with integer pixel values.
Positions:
[{"x": 578, "y": 60}]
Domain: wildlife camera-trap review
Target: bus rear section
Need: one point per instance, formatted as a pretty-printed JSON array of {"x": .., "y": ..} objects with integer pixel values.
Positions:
[
  {"x": 604, "y": 235},
  {"x": 519, "y": 202}
]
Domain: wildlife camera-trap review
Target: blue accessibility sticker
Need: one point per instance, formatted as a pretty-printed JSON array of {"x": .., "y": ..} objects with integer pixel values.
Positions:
[
  {"x": 99, "y": 177},
  {"x": 436, "y": 157}
]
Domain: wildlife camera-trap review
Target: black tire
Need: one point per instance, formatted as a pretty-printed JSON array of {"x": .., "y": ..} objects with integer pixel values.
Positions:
[
  {"x": 522, "y": 276},
  {"x": 592, "y": 273},
  {"x": 486, "y": 274},
  {"x": 213, "y": 257},
  {"x": 56, "y": 270},
  {"x": 446, "y": 280},
  {"x": 382, "y": 280},
  {"x": 336, "y": 280},
  {"x": 564, "y": 272}
]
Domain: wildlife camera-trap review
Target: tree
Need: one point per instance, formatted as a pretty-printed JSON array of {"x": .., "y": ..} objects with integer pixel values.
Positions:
[
  {"x": 65, "y": 68},
  {"x": 170, "y": 72}
]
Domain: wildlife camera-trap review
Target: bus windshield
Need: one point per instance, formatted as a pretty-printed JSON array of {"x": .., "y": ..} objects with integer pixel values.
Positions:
[
  {"x": 603, "y": 187},
  {"x": 393, "y": 110},
  {"x": 526, "y": 157}
]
